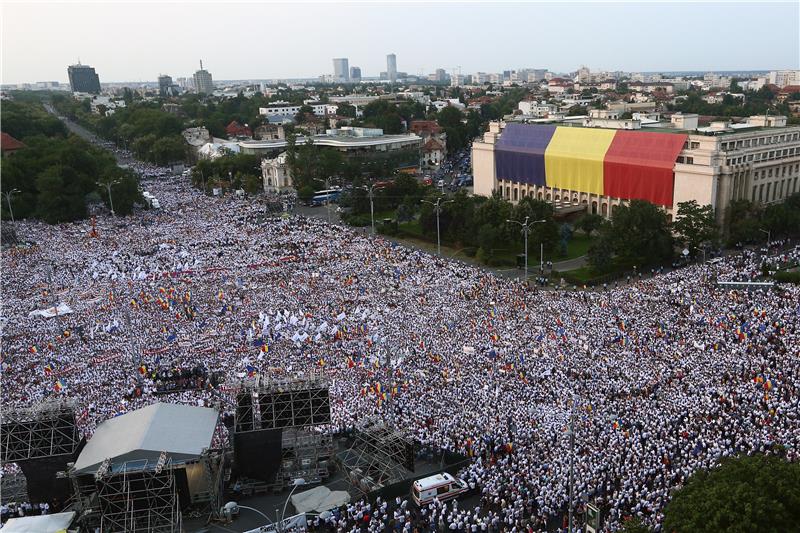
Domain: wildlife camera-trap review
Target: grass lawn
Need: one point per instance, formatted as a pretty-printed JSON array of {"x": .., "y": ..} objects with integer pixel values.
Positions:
[
  {"x": 412, "y": 233},
  {"x": 576, "y": 247}
]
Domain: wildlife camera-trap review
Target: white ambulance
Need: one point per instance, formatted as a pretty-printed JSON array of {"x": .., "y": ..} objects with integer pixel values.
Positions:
[{"x": 440, "y": 486}]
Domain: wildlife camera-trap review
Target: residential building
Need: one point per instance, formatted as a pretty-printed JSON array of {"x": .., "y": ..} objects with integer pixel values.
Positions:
[
  {"x": 235, "y": 130},
  {"x": 782, "y": 78},
  {"x": 355, "y": 74},
  {"x": 9, "y": 144},
  {"x": 433, "y": 152},
  {"x": 283, "y": 109},
  {"x": 203, "y": 84},
  {"x": 391, "y": 68},
  {"x": 164, "y": 84},
  {"x": 597, "y": 169},
  {"x": 267, "y": 132},
  {"x": 83, "y": 79},
  {"x": 341, "y": 69},
  {"x": 532, "y": 108}
]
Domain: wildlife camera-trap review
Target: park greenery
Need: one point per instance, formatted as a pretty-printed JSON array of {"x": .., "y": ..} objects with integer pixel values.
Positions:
[
  {"x": 56, "y": 176},
  {"x": 743, "y": 494},
  {"x": 232, "y": 171},
  {"x": 757, "y": 102}
]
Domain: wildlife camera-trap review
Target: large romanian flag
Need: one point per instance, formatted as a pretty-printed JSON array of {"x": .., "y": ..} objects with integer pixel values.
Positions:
[{"x": 619, "y": 163}]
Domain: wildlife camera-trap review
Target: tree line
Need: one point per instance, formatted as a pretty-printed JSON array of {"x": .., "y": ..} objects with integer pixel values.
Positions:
[{"x": 56, "y": 176}]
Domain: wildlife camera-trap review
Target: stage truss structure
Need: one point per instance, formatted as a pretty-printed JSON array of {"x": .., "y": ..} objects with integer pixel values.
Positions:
[
  {"x": 298, "y": 406},
  {"x": 138, "y": 496},
  {"x": 44, "y": 430},
  {"x": 282, "y": 402},
  {"x": 379, "y": 456},
  {"x": 305, "y": 454}
]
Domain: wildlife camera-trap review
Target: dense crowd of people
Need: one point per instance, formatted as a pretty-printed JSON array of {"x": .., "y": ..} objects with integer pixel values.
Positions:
[{"x": 660, "y": 377}]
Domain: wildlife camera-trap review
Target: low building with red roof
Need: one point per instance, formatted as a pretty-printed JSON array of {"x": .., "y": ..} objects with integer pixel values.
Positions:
[{"x": 9, "y": 144}]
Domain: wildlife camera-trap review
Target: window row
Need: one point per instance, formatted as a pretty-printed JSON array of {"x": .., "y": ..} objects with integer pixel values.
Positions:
[{"x": 767, "y": 193}]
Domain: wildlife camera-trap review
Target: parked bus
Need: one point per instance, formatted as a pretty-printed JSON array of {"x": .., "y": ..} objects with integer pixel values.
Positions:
[{"x": 327, "y": 196}]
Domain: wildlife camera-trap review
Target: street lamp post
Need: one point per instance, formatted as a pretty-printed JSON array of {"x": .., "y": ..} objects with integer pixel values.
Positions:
[
  {"x": 108, "y": 185},
  {"x": 296, "y": 483},
  {"x": 8, "y": 199},
  {"x": 526, "y": 226},
  {"x": 437, "y": 207},
  {"x": 769, "y": 235},
  {"x": 370, "y": 192}
]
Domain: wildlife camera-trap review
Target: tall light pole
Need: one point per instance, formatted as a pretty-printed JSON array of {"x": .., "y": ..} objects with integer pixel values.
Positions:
[
  {"x": 370, "y": 192},
  {"x": 525, "y": 228},
  {"x": 108, "y": 185},
  {"x": 296, "y": 483},
  {"x": 769, "y": 235},
  {"x": 8, "y": 199},
  {"x": 437, "y": 207}
]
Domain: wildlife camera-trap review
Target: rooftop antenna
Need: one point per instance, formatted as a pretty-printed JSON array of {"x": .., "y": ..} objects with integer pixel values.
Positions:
[{"x": 201, "y": 64}]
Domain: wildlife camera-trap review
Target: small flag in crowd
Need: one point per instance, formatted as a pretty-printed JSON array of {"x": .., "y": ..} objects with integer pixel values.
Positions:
[{"x": 59, "y": 385}]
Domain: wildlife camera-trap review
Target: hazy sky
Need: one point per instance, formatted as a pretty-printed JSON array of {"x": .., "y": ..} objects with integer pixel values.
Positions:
[{"x": 128, "y": 41}]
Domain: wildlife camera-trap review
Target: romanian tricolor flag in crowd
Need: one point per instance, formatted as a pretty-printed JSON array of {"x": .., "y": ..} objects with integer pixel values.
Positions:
[
  {"x": 48, "y": 368},
  {"x": 33, "y": 349},
  {"x": 142, "y": 369},
  {"x": 59, "y": 386},
  {"x": 251, "y": 371}
]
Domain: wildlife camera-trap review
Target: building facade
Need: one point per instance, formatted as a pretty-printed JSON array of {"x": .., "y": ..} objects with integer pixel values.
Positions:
[
  {"x": 341, "y": 69},
  {"x": 203, "y": 83},
  {"x": 83, "y": 79},
  {"x": 320, "y": 110},
  {"x": 599, "y": 169},
  {"x": 276, "y": 174},
  {"x": 391, "y": 67},
  {"x": 355, "y": 74}
]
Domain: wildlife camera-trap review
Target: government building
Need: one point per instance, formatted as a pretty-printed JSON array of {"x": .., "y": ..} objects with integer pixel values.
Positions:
[{"x": 598, "y": 162}]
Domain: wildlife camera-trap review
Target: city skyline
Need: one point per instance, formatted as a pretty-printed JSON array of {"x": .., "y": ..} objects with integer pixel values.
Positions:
[{"x": 652, "y": 37}]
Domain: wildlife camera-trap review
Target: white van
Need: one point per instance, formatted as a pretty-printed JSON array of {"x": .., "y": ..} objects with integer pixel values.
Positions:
[{"x": 440, "y": 486}]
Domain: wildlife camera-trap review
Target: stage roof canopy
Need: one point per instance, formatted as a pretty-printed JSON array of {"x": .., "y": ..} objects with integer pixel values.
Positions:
[
  {"x": 182, "y": 431},
  {"x": 49, "y": 523}
]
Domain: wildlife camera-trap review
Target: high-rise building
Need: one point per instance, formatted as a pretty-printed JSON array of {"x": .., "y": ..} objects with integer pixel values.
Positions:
[
  {"x": 441, "y": 75},
  {"x": 202, "y": 81},
  {"x": 391, "y": 67},
  {"x": 341, "y": 69},
  {"x": 164, "y": 85},
  {"x": 83, "y": 79},
  {"x": 355, "y": 74}
]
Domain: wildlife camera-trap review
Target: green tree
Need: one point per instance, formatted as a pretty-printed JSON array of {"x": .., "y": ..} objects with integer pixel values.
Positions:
[
  {"x": 599, "y": 254},
  {"x": 743, "y": 221},
  {"x": 346, "y": 110},
  {"x": 639, "y": 234},
  {"x": 305, "y": 193},
  {"x": 695, "y": 225},
  {"x": 589, "y": 223},
  {"x": 743, "y": 494}
]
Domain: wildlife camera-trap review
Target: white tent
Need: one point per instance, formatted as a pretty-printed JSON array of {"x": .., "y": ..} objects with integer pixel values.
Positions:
[{"x": 49, "y": 523}]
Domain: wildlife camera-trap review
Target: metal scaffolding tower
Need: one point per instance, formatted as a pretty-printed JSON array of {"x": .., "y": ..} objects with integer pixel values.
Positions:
[
  {"x": 283, "y": 402},
  {"x": 295, "y": 405},
  {"x": 138, "y": 496},
  {"x": 304, "y": 454},
  {"x": 44, "y": 430},
  {"x": 379, "y": 456}
]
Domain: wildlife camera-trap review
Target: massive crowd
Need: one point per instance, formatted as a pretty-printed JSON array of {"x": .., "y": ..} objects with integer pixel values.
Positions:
[{"x": 661, "y": 377}]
